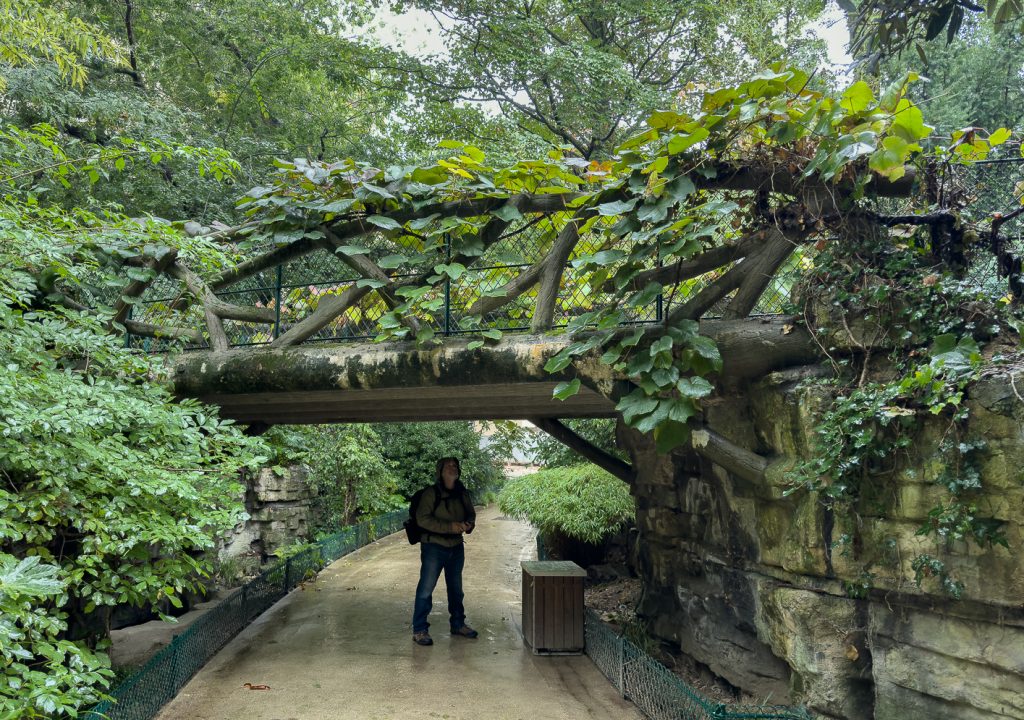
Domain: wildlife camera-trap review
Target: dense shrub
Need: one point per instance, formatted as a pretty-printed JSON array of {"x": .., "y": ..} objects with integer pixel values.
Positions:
[
  {"x": 352, "y": 475},
  {"x": 353, "y": 478},
  {"x": 416, "y": 447},
  {"x": 582, "y": 502}
]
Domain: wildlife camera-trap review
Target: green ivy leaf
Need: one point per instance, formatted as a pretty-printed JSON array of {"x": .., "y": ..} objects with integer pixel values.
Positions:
[
  {"x": 662, "y": 344},
  {"x": 694, "y": 387},
  {"x": 389, "y": 262},
  {"x": 430, "y": 176},
  {"x": 670, "y": 435},
  {"x": 507, "y": 212},
  {"x": 352, "y": 250},
  {"x": 635, "y": 404},
  {"x": 683, "y": 142},
  {"x": 999, "y": 137},
  {"x": 338, "y": 206},
  {"x": 384, "y": 222},
  {"x": 558, "y": 362},
  {"x": 565, "y": 390},
  {"x": 370, "y": 283},
  {"x": 680, "y": 188},
  {"x": 452, "y": 270},
  {"x": 857, "y": 98},
  {"x": 605, "y": 257},
  {"x": 617, "y": 207}
]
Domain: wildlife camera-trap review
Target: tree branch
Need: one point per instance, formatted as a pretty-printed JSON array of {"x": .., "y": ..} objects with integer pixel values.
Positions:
[
  {"x": 692, "y": 267},
  {"x": 739, "y": 461},
  {"x": 370, "y": 270},
  {"x": 622, "y": 470},
  {"x": 156, "y": 266},
  {"x": 760, "y": 269}
]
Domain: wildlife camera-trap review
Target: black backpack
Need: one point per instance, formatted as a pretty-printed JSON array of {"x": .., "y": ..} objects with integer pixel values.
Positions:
[{"x": 412, "y": 529}]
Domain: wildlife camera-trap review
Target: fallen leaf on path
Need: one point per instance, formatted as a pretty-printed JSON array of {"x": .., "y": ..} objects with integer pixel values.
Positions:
[{"x": 250, "y": 686}]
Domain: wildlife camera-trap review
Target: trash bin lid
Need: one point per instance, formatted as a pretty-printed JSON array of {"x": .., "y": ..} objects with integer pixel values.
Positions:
[{"x": 562, "y": 568}]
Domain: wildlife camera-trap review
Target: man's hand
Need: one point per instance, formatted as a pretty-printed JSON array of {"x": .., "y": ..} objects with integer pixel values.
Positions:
[{"x": 461, "y": 527}]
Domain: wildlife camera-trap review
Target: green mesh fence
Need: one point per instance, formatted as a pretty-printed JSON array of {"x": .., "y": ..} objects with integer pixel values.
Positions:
[
  {"x": 658, "y": 692},
  {"x": 142, "y": 695}
]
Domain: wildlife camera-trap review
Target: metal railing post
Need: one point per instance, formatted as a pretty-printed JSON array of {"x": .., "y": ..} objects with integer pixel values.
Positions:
[
  {"x": 622, "y": 666},
  {"x": 127, "y": 332},
  {"x": 277, "y": 303},
  {"x": 660, "y": 307},
  {"x": 287, "y": 574},
  {"x": 447, "y": 287}
]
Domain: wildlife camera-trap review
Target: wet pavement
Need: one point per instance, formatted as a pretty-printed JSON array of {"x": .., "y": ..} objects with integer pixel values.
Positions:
[{"x": 341, "y": 647}]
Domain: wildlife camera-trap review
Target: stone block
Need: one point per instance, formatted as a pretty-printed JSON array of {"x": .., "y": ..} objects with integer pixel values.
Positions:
[
  {"x": 715, "y": 625},
  {"x": 823, "y": 640},
  {"x": 929, "y": 666},
  {"x": 290, "y": 486}
]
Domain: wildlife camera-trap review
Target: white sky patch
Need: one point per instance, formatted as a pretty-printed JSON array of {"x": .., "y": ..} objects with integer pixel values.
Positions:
[
  {"x": 831, "y": 27},
  {"x": 414, "y": 32},
  {"x": 419, "y": 34}
]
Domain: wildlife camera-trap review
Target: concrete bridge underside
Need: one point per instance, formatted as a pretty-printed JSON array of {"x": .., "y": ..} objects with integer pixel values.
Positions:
[
  {"x": 399, "y": 382},
  {"x": 391, "y": 383},
  {"x": 506, "y": 401}
]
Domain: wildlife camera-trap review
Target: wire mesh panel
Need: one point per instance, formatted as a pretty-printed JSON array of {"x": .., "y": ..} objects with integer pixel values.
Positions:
[
  {"x": 296, "y": 289},
  {"x": 988, "y": 188},
  {"x": 655, "y": 690},
  {"x": 604, "y": 647},
  {"x": 142, "y": 695}
]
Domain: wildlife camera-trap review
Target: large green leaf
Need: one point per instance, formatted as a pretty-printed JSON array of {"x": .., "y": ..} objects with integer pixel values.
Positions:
[{"x": 28, "y": 577}]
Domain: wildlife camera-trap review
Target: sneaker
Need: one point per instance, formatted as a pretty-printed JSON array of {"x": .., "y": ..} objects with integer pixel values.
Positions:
[
  {"x": 422, "y": 638},
  {"x": 465, "y": 631}
]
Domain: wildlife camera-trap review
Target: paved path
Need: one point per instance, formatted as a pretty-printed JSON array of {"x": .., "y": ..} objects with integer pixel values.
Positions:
[{"x": 342, "y": 648}]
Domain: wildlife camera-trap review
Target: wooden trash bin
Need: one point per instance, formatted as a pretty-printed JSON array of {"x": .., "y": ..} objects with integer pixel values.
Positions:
[{"x": 553, "y": 606}]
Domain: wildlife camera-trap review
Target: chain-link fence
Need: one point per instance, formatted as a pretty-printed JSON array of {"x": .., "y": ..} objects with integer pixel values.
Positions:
[
  {"x": 294, "y": 291},
  {"x": 142, "y": 695},
  {"x": 656, "y": 690},
  {"x": 985, "y": 189}
]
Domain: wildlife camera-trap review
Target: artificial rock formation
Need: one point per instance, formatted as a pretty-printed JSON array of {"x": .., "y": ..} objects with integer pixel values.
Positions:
[
  {"x": 280, "y": 509},
  {"x": 793, "y": 604}
]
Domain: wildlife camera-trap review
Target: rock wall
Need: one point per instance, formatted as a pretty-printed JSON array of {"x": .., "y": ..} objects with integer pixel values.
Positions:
[
  {"x": 786, "y": 601},
  {"x": 280, "y": 509}
]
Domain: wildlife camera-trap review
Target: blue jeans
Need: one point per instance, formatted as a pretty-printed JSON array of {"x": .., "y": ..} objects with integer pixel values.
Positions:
[{"x": 433, "y": 559}]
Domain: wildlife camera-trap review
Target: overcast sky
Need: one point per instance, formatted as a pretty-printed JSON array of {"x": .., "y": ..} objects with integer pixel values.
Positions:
[{"x": 417, "y": 33}]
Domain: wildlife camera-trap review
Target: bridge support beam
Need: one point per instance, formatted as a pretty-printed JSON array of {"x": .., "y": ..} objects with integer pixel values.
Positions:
[
  {"x": 400, "y": 382},
  {"x": 622, "y": 470}
]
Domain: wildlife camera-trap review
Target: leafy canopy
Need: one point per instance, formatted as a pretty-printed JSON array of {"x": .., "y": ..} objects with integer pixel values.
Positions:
[
  {"x": 665, "y": 198},
  {"x": 585, "y": 74},
  {"x": 580, "y": 501}
]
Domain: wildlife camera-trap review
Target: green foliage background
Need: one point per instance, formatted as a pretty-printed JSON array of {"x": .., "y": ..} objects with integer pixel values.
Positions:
[
  {"x": 550, "y": 453},
  {"x": 580, "y": 501},
  {"x": 415, "y": 448},
  {"x": 112, "y": 491}
]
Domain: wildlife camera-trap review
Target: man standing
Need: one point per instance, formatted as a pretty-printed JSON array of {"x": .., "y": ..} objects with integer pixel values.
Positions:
[{"x": 445, "y": 512}]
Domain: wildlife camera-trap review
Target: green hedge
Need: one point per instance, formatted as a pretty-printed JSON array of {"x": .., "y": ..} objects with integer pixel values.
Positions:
[{"x": 581, "y": 501}]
